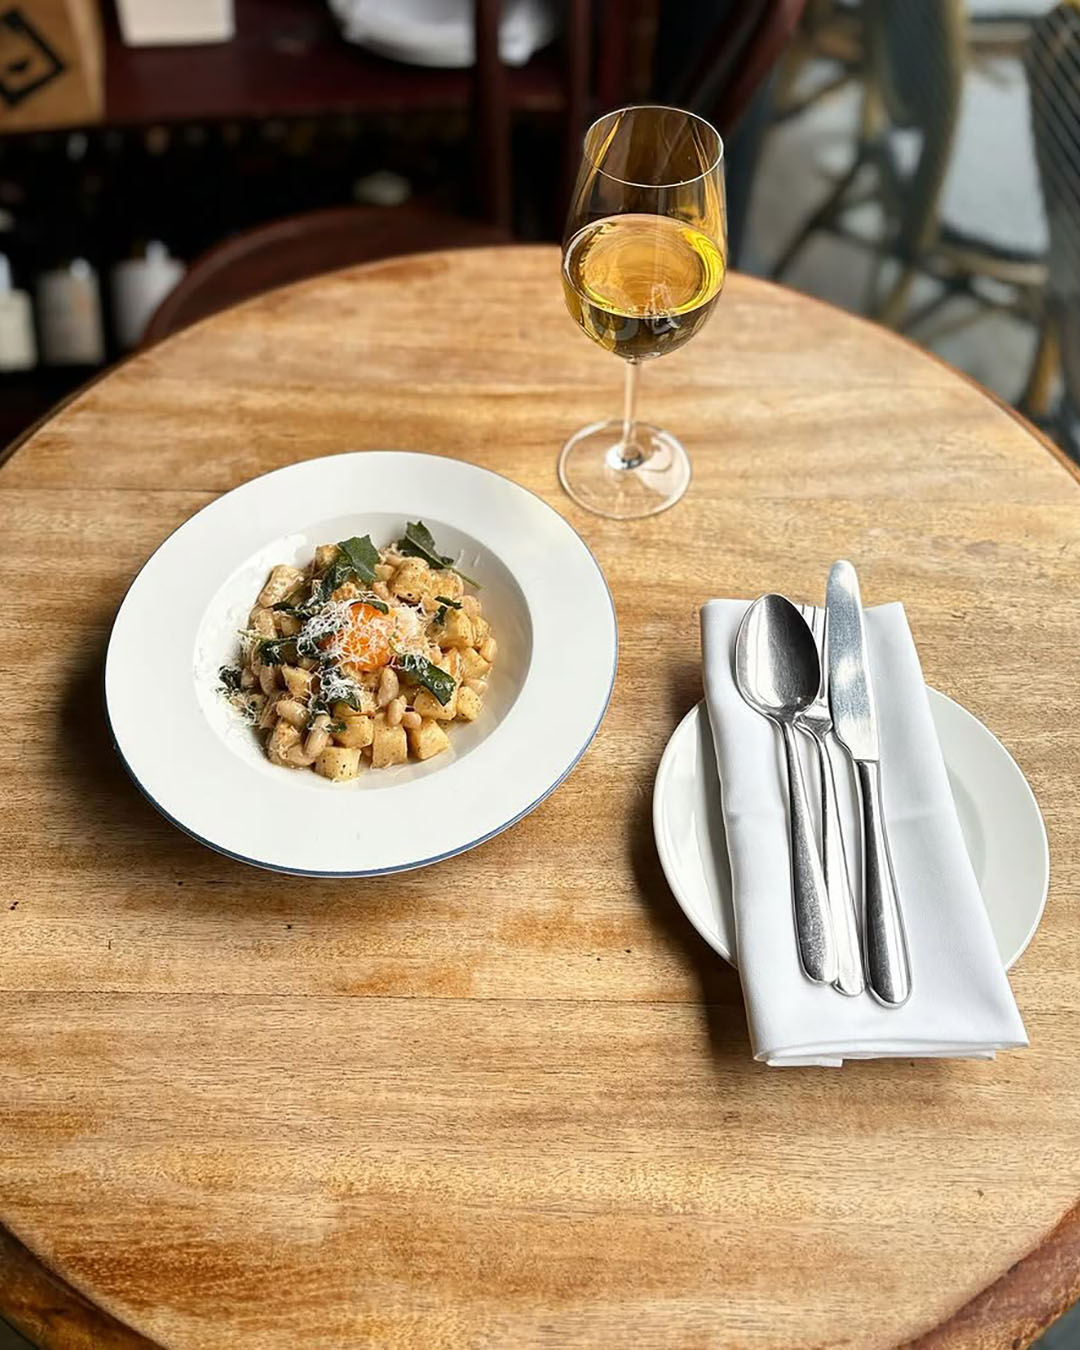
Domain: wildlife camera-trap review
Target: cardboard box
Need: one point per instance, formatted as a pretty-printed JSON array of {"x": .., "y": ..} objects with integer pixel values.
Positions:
[
  {"x": 162, "y": 23},
  {"x": 52, "y": 64}
]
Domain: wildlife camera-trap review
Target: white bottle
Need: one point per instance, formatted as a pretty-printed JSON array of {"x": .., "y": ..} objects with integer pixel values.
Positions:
[
  {"x": 69, "y": 315},
  {"x": 138, "y": 286},
  {"x": 18, "y": 349}
]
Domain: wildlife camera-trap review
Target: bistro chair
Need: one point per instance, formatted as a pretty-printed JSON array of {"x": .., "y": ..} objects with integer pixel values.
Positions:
[
  {"x": 958, "y": 205},
  {"x": 1052, "y": 62}
]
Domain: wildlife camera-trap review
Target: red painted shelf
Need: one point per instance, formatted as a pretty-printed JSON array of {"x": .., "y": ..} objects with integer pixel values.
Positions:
[{"x": 288, "y": 60}]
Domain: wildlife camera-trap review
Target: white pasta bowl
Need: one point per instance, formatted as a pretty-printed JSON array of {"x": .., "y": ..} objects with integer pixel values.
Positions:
[{"x": 204, "y": 768}]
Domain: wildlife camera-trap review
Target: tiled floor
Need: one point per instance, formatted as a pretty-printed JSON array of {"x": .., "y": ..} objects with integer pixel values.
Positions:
[{"x": 800, "y": 161}]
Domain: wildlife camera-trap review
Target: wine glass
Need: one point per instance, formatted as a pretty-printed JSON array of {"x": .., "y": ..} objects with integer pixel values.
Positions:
[{"x": 644, "y": 256}]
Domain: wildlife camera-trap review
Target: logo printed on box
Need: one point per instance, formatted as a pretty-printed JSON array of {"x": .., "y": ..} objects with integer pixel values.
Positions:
[{"x": 27, "y": 62}]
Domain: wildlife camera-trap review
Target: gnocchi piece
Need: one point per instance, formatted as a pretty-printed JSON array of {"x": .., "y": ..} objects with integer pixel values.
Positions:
[
  {"x": 297, "y": 681},
  {"x": 283, "y": 580},
  {"x": 287, "y": 625},
  {"x": 428, "y": 739},
  {"x": 324, "y": 556},
  {"x": 359, "y": 731},
  {"x": 427, "y": 705},
  {"x": 481, "y": 629},
  {"x": 448, "y": 584},
  {"x": 388, "y": 746},
  {"x": 469, "y": 705},
  {"x": 473, "y": 665},
  {"x": 261, "y": 621},
  {"x": 450, "y": 662},
  {"x": 339, "y": 763},
  {"x": 456, "y": 631},
  {"x": 283, "y": 738},
  {"x": 411, "y": 580}
]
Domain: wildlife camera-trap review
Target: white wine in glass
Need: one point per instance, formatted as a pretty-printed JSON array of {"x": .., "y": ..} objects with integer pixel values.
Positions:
[{"x": 644, "y": 258}]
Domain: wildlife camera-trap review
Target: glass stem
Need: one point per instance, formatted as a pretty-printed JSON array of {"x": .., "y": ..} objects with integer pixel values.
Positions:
[{"x": 629, "y": 451}]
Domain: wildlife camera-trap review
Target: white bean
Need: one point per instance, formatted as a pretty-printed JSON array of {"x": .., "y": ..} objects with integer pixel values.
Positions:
[
  {"x": 388, "y": 686},
  {"x": 267, "y": 679},
  {"x": 489, "y": 650},
  {"x": 411, "y": 721},
  {"x": 395, "y": 711},
  {"x": 382, "y": 590},
  {"x": 318, "y": 738},
  {"x": 477, "y": 686}
]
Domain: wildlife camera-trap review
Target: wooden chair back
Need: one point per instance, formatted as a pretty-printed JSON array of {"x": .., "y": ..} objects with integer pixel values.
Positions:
[{"x": 301, "y": 246}]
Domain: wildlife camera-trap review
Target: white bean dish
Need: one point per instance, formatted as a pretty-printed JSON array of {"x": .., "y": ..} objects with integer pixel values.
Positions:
[
  {"x": 363, "y": 657},
  {"x": 203, "y": 761}
]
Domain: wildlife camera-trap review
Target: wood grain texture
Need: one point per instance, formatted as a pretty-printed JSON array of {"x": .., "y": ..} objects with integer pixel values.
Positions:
[{"x": 508, "y": 1101}]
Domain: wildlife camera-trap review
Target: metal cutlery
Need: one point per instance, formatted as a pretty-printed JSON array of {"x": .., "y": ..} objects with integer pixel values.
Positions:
[
  {"x": 816, "y": 722},
  {"x": 778, "y": 673},
  {"x": 854, "y": 716}
]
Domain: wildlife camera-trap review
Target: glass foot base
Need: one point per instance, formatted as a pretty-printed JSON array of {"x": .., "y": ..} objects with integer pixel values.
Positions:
[{"x": 595, "y": 472}]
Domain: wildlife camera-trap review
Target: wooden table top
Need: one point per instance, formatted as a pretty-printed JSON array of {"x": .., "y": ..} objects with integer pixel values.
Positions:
[{"x": 509, "y": 1101}]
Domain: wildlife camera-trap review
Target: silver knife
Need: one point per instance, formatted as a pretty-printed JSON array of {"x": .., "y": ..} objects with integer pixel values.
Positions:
[{"x": 851, "y": 701}]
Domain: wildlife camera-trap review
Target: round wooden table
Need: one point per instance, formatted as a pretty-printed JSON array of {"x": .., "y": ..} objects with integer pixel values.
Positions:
[{"x": 509, "y": 1101}]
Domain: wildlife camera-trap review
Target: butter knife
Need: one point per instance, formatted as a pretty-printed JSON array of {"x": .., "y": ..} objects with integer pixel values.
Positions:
[{"x": 851, "y": 702}]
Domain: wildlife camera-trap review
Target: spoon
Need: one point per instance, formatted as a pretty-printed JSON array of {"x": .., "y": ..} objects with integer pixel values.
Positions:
[{"x": 778, "y": 672}]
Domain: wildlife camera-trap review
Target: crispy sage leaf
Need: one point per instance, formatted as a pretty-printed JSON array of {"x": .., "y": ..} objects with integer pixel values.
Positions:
[{"x": 433, "y": 679}]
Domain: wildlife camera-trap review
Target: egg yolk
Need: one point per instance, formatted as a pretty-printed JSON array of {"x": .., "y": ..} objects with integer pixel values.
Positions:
[{"x": 366, "y": 643}]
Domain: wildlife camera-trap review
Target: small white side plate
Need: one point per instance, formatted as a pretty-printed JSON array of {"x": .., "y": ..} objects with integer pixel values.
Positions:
[{"x": 999, "y": 817}]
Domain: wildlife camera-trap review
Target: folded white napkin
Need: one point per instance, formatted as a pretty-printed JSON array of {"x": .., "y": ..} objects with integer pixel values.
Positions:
[{"x": 961, "y": 1004}]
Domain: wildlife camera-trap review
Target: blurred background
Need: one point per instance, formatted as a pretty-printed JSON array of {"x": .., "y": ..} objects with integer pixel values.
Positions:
[{"x": 914, "y": 160}]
